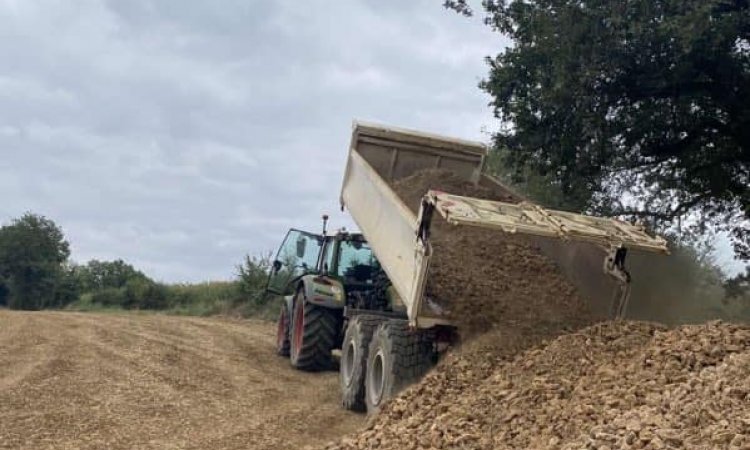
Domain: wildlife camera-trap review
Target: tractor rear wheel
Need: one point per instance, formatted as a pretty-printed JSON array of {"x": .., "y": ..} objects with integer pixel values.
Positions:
[
  {"x": 314, "y": 332},
  {"x": 354, "y": 360},
  {"x": 282, "y": 332},
  {"x": 397, "y": 357}
]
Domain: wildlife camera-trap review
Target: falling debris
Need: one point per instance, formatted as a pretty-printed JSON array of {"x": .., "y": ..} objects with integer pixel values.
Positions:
[{"x": 488, "y": 279}]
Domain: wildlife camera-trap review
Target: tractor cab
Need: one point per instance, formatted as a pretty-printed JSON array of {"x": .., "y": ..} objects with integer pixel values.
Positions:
[
  {"x": 349, "y": 259},
  {"x": 343, "y": 259}
]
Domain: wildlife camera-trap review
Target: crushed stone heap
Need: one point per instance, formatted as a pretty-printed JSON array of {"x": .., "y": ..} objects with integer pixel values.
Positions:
[{"x": 614, "y": 385}]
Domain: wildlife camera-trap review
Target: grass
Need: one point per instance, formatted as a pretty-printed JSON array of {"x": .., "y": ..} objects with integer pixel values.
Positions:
[
  {"x": 216, "y": 298},
  {"x": 203, "y": 299}
]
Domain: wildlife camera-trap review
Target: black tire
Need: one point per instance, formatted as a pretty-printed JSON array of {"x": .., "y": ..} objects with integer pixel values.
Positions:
[
  {"x": 354, "y": 360},
  {"x": 314, "y": 332},
  {"x": 397, "y": 357},
  {"x": 282, "y": 332},
  {"x": 378, "y": 297}
]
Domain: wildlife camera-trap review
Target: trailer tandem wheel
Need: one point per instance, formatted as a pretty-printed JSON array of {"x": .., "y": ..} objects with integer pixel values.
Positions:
[
  {"x": 397, "y": 357},
  {"x": 354, "y": 360}
]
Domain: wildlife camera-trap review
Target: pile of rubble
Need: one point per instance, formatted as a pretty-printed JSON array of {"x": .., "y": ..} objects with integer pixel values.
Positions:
[{"x": 614, "y": 385}]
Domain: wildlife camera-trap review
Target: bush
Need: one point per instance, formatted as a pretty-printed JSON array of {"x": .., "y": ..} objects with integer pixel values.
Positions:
[
  {"x": 145, "y": 294},
  {"x": 252, "y": 277},
  {"x": 108, "y": 297},
  {"x": 136, "y": 294}
]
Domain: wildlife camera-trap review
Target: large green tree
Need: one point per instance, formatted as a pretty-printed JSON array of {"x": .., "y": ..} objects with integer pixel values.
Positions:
[
  {"x": 32, "y": 253},
  {"x": 628, "y": 107}
]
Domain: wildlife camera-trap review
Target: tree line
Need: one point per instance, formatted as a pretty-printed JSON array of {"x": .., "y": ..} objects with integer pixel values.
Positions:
[{"x": 36, "y": 273}]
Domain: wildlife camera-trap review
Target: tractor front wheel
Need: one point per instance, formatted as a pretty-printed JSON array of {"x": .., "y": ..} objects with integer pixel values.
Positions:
[{"x": 314, "y": 332}]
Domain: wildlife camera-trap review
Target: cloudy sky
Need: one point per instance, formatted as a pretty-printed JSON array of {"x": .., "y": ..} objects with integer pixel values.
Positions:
[{"x": 180, "y": 135}]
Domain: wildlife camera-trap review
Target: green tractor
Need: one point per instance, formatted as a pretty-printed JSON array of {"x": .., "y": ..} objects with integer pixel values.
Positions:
[{"x": 337, "y": 296}]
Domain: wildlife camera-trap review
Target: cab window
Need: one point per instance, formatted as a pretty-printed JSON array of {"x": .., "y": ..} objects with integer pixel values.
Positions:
[
  {"x": 328, "y": 254},
  {"x": 356, "y": 261},
  {"x": 297, "y": 255}
]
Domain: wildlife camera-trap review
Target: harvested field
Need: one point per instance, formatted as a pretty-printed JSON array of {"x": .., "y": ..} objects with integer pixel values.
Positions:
[
  {"x": 89, "y": 381},
  {"x": 624, "y": 385}
]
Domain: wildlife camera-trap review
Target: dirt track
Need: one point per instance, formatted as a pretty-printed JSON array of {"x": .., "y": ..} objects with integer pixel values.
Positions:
[{"x": 88, "y": 381}]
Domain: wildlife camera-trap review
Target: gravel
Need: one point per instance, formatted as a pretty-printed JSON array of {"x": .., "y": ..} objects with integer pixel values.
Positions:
[{"x": 614, "y": 385}]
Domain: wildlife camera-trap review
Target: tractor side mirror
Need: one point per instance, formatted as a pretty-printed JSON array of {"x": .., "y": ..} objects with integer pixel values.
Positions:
[
  {"x": 301, "y": 247},
  {"x": 276, "y": 266}
]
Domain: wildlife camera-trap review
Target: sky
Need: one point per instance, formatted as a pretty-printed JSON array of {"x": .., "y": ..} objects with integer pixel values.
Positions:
[{"x": 180, "y": 135}]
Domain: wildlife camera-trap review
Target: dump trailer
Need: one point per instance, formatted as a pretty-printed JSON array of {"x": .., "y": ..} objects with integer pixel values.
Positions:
[{"x": 365, "y": 292}]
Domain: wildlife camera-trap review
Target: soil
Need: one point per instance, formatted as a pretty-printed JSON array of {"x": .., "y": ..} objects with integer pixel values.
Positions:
[
  {"x": 91, "y": 381},
  {"x": 615, "y": 385}
]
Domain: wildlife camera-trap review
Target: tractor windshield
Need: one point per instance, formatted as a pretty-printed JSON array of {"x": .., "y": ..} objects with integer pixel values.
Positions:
[{"x": 356, "y": 261}]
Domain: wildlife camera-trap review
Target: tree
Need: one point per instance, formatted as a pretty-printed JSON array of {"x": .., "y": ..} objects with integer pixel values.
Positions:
[
  {"x": 32, "y": 253},
  {"x": 739, "y": 285},
  {"x": 3, "y": 293},
  {"x": 638, "y": 108},
  {"x": 68, "y": 287}
]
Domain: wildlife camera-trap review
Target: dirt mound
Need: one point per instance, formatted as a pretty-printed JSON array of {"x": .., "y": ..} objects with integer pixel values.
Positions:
[
  {"x": 613, "y": 385},
  {"x": 486, "y": 278},
  {"x": 90, "y": 381}
]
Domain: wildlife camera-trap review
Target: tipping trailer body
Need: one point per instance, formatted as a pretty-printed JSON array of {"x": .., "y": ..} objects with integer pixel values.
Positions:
[{"x": 379, "y": 155}]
